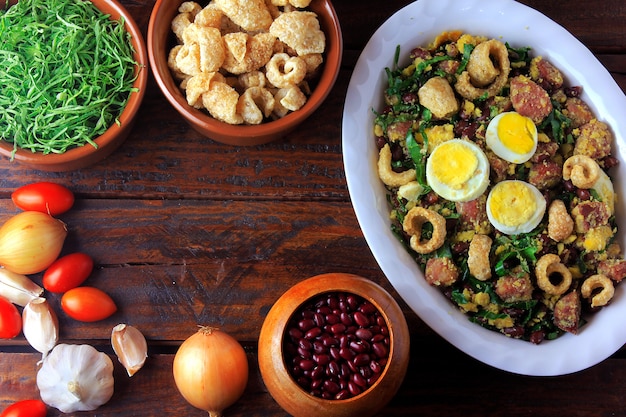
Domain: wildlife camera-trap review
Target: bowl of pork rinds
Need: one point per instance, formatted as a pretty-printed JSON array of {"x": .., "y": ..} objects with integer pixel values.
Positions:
[{"x": 245, "y": 72}]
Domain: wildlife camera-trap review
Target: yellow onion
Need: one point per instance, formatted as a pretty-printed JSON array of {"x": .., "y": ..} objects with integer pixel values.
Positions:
[
  {"x": 30, "y": 241},
  {"x": 211, "y": 370}
]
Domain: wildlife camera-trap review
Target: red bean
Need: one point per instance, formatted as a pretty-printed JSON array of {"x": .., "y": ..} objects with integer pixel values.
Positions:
[
  {"x": 313, "y": 333},
  {"x": 583, "y": 194},
  {"x": 330, "y": 341},
  {"x": 333, "y": 369},
  {"x": 322, "y": 359},
  {"x": 360, "y": 346},
  {"x": 354, "y": 388},
  {"x": 343, "y": 395},
  {"x": 338, "y": 328},
  {"x": 346, "y": 319},
  {"x": 368, "y": 308},
  {"x": 378, "y": 338},
  {"x": 319, "y": 320},
  {"x": 307, "y": 364},
  {"x": 380, "y": 349},
  {"x": 331, "y": 386},
  {"x": 376, "y": 367},
  {"x": 317, "y": 374},
  {"x": 359, "y": 380},
  {"x": 306, "y": 324},
  {"x": 361, "y": 359},
  {"x": 304, "y": 353},
  {"x": 364, "y": 334},
  {"x": 346, "y": 354},
  {"x": 295, "y": 333},
  {"x": 332, "y": 319},
  {"x": 361, "y": 319}
]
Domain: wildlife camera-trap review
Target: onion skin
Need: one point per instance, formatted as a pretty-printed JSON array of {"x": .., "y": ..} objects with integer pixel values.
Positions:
[
  {"x": 30, "y": 242},
  {"x": 211, "y": 370}
]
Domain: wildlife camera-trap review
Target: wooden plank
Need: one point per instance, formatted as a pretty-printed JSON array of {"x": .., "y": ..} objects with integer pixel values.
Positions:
[{"x": 441, "y": 381}]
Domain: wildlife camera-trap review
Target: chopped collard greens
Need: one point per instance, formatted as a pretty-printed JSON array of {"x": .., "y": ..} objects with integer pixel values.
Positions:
[{"x": 67, "y": 73}]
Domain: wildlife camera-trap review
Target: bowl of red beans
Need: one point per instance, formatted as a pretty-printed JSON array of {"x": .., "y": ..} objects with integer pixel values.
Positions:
[{"x": 334, "y": 344}]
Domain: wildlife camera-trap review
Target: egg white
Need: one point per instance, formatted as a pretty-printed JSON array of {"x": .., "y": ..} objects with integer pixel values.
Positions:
[
  {"x": 513, "y": 214},
  {"x": 604, "y": 188},
  {"x": 475, "y": 178},
  {"x": 497, "y": 145}
]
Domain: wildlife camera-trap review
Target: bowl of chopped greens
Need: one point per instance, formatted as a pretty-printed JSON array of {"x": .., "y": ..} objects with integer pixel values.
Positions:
[{"x": 69, "y": 95}]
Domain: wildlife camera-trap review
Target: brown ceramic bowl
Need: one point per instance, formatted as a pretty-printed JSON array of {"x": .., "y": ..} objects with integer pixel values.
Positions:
[
  {"x": 112, "y": 138},
  {"x": 279, "y": 380},
  {"x": 161, "y": 39}
]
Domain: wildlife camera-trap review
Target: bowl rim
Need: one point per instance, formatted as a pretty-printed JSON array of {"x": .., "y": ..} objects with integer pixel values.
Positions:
[
  {"x": 197, "y": 117},
  {"x": 73, "y": 156}
]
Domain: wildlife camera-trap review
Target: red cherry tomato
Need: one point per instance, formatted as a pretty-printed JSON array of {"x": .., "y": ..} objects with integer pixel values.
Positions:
[
  {"x": 46, "y": 197},
  {"x": 10, "y": 319},
  {"x": 26, "y": 408},
  {"x": 87, "y": 304},
  {"x": 67, "y": 272}
]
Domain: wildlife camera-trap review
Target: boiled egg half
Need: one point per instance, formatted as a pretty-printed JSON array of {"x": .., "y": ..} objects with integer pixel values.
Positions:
[
  {"x": 458, "y": 170},
  {"x": 515, "y": 207},
  {"x": 512, "y": 137}
]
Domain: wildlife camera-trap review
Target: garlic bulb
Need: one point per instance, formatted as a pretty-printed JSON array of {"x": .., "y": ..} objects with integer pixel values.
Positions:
[
  {"x": 40, "y": 326},
  {"x": 130, "y": 346},
  {"x": 75, "y": 378}
]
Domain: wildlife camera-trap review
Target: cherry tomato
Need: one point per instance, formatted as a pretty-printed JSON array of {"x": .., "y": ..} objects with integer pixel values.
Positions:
[
  {"x": 46, "y": 197},
  {"x": 26, "y": 408},
  {"x": 87, "y": 304},
  {"x": 67, "y": 272},
  {"x": 10, "y": 319}
]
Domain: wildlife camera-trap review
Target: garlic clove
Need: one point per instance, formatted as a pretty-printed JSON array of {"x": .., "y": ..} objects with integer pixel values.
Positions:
[
  {"x": 130, "y": 346},
  {"x": 18, "y": 288},
  {"x": 40, "y": 325}
]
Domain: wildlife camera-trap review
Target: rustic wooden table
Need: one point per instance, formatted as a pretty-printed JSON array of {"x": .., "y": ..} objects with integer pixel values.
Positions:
[{"x": 185, "y": 230}]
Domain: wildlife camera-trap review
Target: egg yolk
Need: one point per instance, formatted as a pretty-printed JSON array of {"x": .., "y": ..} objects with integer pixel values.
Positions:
[
  {"x": 517, "y": 132},
  {"x": 512, "y": 204},
  {"x": 454, "y": 164}
]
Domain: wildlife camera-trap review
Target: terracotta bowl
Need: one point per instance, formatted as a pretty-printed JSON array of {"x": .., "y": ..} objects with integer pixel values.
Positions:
[
  {"x": 161, "y": 39},
  {"x": 278, "y": 378},
  {"x": 113, "y": 137}
]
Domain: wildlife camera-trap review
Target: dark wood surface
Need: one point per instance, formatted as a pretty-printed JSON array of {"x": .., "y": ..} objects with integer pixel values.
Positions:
[{"x": 187, "y": 231}]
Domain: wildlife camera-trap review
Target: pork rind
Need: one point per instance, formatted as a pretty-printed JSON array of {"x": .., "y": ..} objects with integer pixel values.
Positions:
[
  {"x": 301, "y": 4},
  {"x": 230, "y": 62},
  {"x": 221, "y": 102},
  {"x": 288, "y": 99},
  {"x": 283, "y": 70},
  {"x": 301, "y": 31},
  {"x": 210, "y": 17},
  {"x": 255, "y": 104},
  {"x": 252, "y": 79},
  {"x": 187, "y": 13},
  {"x": 173, "y": 66},
  {"x": 245, "y": 53},
  {"x": 205, "y": 47},
  {"x": 199, "y": 84},
  {"x": 250, "y": 15}
]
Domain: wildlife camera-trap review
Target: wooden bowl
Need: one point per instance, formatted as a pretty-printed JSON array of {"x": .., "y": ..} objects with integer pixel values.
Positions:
[
  {"x": 115, "y": 135},
  {"x": 160, "y": 40},
  {"x": 277, "y": 378}
]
